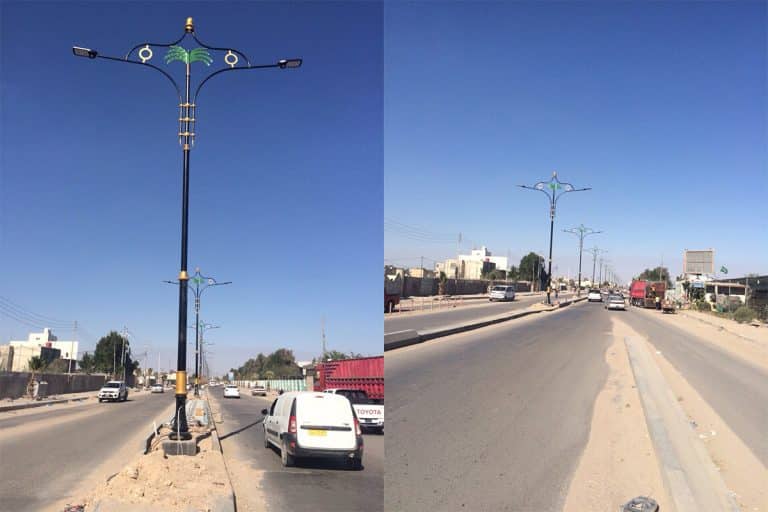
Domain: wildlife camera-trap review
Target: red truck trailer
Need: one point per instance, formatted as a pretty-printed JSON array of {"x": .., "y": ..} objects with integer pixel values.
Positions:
[
  {"x": 366, "y": 373},
  {"x": 643, "y": 293}
]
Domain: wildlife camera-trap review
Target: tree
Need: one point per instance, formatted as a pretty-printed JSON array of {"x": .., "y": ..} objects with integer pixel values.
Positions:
[
  {"x": 36, "y": 364},
  {"x": 513, "y": 274},
  {"x": 109, "y": 354},
  {"x": 88, "y": 363},
  {"x": 531, "y": 267},
  {"x": 441, "y": 284},
  {"x": 280, "y": 363},
  {"x": 657, "y": 274}
]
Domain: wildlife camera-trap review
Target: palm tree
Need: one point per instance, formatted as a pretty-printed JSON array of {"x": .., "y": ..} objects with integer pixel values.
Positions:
[{"x": 36, "y": 364}]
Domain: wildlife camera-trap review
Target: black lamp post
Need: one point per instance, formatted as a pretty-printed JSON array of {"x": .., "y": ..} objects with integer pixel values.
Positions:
[
  {"x": 581, "y": 232},
  {"x": 233, "y": 60},
  {"x": 553, "y": 189},
  {"x": 206, "y": 282}
]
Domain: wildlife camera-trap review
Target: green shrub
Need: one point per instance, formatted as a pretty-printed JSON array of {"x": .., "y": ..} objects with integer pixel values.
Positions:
[
  {"x": 703, "y": 306},
  {"x": 744, "y": 315}
]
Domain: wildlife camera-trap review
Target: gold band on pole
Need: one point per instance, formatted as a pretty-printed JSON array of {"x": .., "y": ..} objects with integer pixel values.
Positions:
[{"x": 181, "y": 382}]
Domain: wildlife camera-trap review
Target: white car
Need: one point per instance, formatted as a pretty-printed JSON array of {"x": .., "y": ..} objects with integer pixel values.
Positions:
[
  {"x": 259, "y": 390},
  {"x": 231, "y": 392},
  {"x": 502, "y": 292},
  {"x": 615, "y": 302},
  {"x": 157, "y": 388},
  {"x": 114, "y": 391},
  {"x": 312, "y": 424},
  {"x": 594, "y": 296}
]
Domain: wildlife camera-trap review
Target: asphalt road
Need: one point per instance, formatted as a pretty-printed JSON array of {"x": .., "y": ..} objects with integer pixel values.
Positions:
[
  {"x": 494, "y": 419},
  {"x": 313, "y": 485},
  {"x": 45, "y": 456},
  {"x": 735, "y": 389},
  {"x": 418, "y": 321}
]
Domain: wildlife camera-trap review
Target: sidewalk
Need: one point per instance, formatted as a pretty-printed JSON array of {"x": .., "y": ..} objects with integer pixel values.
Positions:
[{"x": 746, "y": 331}]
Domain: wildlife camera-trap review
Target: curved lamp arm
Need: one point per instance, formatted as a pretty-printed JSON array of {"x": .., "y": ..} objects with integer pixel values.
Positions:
[{"x": 93, "y": 54}]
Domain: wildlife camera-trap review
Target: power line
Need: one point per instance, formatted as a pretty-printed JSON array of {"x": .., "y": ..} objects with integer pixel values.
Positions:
[{"x": 31, "y": 316}]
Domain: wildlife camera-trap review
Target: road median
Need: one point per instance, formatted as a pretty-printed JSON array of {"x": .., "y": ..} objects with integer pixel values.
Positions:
[{"x": 406, "y": 338}]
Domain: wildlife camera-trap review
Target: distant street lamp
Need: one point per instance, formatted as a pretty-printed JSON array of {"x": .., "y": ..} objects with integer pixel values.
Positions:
[
  {"x": 553, "y": 189},
  {"x": 595, "y": 252},
  {"x": 207, "y": 282},
  {"x": 233, "y": 60},
  {"x": 581, "y": 232}
]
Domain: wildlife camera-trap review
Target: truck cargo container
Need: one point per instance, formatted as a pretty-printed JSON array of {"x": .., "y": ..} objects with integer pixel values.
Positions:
[
  {"x": 643, "y": 293},
  {"x": 366, "y": 373}
]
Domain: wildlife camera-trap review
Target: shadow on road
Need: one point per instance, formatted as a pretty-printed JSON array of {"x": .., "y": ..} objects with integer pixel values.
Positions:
[{"x": 235, "y": 432}]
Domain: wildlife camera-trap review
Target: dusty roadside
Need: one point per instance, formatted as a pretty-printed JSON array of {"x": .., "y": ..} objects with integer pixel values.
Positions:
[
  {"x": 619, "y": 462},
  {"x": 753, "y": 350},
  {"x": 744, "y": 475},
  {"x": 246, "y": 481}
]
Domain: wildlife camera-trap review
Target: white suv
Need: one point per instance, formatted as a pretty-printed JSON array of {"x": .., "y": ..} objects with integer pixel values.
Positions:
[
  {"x": 502, "y": 292},
  {"x": 114, "y": 391},
  {"x": 594, "y": 296}
]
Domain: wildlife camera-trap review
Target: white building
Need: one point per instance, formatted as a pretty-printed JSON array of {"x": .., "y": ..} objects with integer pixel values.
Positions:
[
  {"x": 472, "y": 265},
  {"x": 24, "y": 349}
]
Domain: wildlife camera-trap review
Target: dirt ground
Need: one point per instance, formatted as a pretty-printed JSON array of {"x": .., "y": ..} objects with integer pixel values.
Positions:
[
  {"x": 171, "y": 484},
  {"x": 619, "y": 462},
  {"x": 742, "y": 472},
  {"x": 723, "y": 334}
]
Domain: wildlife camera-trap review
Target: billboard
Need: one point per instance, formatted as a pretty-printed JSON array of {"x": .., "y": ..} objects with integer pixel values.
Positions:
[{"x": 699, "y": 262}]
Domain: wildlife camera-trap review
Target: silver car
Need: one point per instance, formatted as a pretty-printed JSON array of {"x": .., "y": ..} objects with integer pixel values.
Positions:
[
  {"x": 502, "y": 292},
  {"x": 615, "y": 302}
]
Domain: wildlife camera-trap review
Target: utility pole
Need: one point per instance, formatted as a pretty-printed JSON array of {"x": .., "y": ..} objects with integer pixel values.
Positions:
[
  {"x": 122, "y": 359},
  {"x": 322, "y": 331}
]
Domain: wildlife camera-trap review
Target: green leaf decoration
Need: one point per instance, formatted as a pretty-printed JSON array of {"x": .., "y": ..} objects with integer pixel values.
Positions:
[
  {"x": 177, "y": 53},
  {"x": 200, "y": 55}
]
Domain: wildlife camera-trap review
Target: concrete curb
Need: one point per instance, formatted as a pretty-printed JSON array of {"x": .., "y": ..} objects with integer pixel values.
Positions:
[
  {"x": 406, "y": 338},
  {"x": 231, "y": 503},
  {"x": 690, "y": 477},
  {"x": 42, "y": 403}
]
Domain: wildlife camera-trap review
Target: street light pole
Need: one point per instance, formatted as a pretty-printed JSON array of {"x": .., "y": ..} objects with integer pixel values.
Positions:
[
  {"x": 553, "y": 185},
  {"x": 199, "y": 279},
  {"x": 233, "y": 60},
  {"x": 582, "y": 232}
]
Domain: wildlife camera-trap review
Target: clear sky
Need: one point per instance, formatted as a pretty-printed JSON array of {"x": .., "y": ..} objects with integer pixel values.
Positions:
[
  {"x": 660, "y": 107},
  {"x": 286, "y": 176}
]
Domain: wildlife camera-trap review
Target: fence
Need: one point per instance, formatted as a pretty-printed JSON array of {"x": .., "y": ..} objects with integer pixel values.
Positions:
[
  {"x": 14, "y": 384},
  {"x": 426, "y": 286},
  {"x": 299, "y": 384}
]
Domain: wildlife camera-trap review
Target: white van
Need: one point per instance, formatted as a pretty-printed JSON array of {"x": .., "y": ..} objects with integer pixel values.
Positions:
[{"x": 312, "y": 424}]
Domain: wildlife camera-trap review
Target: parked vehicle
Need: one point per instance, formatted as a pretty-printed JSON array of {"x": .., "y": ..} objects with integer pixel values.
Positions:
[
  {"x": 310, "y": 424},
  {"x": 366, "y": 373},
  {"x": 157, "y": 388},
  {"x": 114, "y": 391},
  {"x": 643, "y": 293},
  {"x": 370, "y": 412},
  {"x": 594, "y": 296},
  {"x": 502, "y": 292},
  {"x": 231, "y": 391},
  {"x": 668, "y": 306},
  {"x": 259, "y": 390},
  {"x": 615, "y": 302},
  {"x": 393, "y": 290}
]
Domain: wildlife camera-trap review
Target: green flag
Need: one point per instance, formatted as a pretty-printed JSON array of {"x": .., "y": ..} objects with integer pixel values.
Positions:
[{"x": 723, "y": 270}]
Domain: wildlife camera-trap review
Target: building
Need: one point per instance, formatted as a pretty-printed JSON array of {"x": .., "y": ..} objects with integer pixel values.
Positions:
[
  {"x": 472, "y": 265},
  {"x": 421, "y": 272},
  {"x": 43, "y": 344}
]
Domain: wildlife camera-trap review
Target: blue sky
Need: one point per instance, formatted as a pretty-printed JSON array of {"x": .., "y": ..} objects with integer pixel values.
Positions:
[
  {"x": 660, "y": 107},
  {"x": 286, "y": 176}
]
